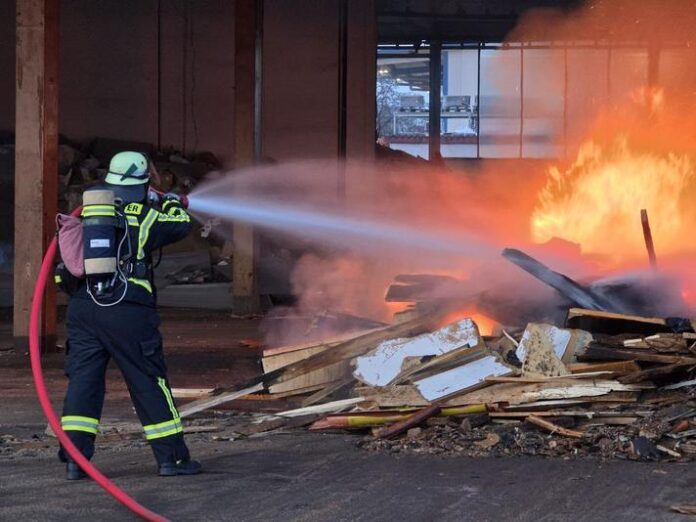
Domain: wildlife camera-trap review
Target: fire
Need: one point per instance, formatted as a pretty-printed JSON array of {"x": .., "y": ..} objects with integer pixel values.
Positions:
[
  {"x": 486, "y": 325},
  {"x": 596, "y": 202},
  {"x": 652, "y": 98}
]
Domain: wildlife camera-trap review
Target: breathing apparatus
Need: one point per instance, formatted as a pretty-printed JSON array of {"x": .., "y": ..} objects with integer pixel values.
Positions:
[
  {"x": 105, "y": 231},
  {"x": 107, "y": 247}
]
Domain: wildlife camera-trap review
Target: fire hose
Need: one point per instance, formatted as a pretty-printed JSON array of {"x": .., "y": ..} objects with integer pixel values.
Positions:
[{"x": 40, "y": 385}]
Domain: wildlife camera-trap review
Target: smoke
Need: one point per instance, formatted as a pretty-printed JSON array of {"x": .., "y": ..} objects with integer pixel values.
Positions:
[{"x": 410, "y": 217}]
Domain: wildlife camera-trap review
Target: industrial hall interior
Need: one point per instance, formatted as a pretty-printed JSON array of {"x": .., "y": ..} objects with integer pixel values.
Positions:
[{"x": 348, "y": 260}]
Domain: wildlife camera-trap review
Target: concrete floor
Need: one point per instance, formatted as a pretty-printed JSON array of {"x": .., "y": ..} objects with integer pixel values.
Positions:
[
  {"x": 304, "y": 476},
  {"x": 311, "y": 477}
]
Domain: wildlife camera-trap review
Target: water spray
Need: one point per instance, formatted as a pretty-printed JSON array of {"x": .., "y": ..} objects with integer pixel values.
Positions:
[{"x": 334, "y": 228}]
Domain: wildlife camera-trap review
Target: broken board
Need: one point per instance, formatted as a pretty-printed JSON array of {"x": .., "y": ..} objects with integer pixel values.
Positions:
[{"x": 382, "y": 365}]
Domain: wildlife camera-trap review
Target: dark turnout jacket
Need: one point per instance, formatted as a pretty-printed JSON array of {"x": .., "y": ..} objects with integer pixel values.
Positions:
[{"x": 148, "y": 230}]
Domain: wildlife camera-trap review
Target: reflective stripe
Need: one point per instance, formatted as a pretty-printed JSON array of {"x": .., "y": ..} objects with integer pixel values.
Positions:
[
  {"x": 144, "y": 234},
  {"x": 95, "y": 213},
  {"x": 174, "y": 215},
  {"x": 133, "y": 221},
  {"x": 141, "y": 282},
  {"x": 167, "y": 394},
  {"x": 163, "y": 429},
  {"x": 78, "y": 423},
  {"x": 98, "y": 210},
  {"x": 169, "y": 202},
  {"x": 58, "y": 279}
]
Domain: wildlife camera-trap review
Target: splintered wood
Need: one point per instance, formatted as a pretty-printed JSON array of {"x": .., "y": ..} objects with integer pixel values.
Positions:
[{"x": 421, "y": 379}]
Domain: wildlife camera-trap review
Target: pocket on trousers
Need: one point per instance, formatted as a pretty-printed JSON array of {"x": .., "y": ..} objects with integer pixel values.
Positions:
[
  {"x": 66, "y": 364},
  {"x": 153, "y": 356}
]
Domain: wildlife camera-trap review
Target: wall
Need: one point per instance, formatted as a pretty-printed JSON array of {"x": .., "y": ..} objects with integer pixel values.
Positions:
[
  {"x": 109, "y": 72},
  {"x": 7, "y": 65},
  {"x": 300, "y": 79},
  {"x": 111, "y": 79}
]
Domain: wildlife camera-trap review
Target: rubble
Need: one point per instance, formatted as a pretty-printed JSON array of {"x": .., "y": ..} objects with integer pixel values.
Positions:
[{"x": 573, "y": 392}]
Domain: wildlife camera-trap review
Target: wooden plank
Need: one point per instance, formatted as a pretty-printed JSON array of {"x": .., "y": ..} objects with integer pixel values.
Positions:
[
  {"x": 247, "y": 23},
  {"x": 385, "y": 364},
  {"x": 616, "y": 367},
  {"x": 647, "y": 236},
  {"x": 364, "y": 419},
  {"x": 216, "y": 400},
  {"x": 359, "y": 345},
  {"x": 191, "y": 393},
  {"x": 543, "y": 346},
  {"x": 274, "y": 423},
  {"x": 566, "y": 413},
  {"x": 314, "y": 378},
  {"x": 527, "y": 379},
  {"x": 614, "y": 323},
  {"x": 329, "y": 407},
  {"x": 316, "y": 345},
  {"x": 595, "y": 351},
  {"x": 462, "y": 379},
  {"x": 36, "y": 161},
  {"x": 440, "y": 363},
  {"x": 573, "y": 291},
  {"x": 342, "y": 351},
  {"x": 409, "y": 422},
  {"x": 553, "y": 428},
  {"x": 652, "y": 373},
  {"x": 299, "y": 386},
  {"x": 327, "y": 391}
]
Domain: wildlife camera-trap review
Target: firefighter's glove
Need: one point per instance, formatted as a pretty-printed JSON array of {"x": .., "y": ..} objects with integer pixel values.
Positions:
[{"x": 180, "y": 200}]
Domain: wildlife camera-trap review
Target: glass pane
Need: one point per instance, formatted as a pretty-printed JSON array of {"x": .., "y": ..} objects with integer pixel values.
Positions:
[
  {"x": 627, "y": 73},
  {"x": 544, "y": 85},
  {"x": 676, "y": 70},
  {"x": 587, "y": 90},
  {"x": 402, "y": 104},
  {"x": 459, "y": 122},
  {"x": 500, "y": 103}
]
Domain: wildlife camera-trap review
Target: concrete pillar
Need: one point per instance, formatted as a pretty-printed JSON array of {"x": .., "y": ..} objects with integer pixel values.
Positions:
[{"x": 36, "y": 165}]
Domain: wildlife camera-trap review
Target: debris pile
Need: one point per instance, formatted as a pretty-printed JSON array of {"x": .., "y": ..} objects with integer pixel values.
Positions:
[
  {"x": 605, "y": 384},
  {"x": 83, "y": 165}
]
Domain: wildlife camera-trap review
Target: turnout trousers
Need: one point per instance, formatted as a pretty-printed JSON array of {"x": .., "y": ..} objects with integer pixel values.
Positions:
[{"x": 128, "y": 333}]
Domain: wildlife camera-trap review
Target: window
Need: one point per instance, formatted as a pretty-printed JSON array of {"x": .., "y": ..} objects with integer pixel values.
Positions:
[
  {"x": 403, "y": 96},
  {"x": 512, "y": 100}
]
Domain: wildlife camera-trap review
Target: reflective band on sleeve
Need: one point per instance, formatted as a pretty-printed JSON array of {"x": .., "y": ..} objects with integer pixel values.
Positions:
[
  {"x": 144, "y": 234},
  {"x": 141, "y": 282},
  {"x": 174, "y": 215},
  {"x": 170, "y": 202},
  {"x": 167, "y": 394},
  {"x": 79, "y": 423},
  {"x": 163, "y": 429},
  {"x": 58, "y": 279},
  {"x": 133, "y": 221}
]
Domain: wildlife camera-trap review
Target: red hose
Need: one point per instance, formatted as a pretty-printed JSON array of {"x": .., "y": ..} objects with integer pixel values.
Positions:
[{"x": 35, "y": 353}]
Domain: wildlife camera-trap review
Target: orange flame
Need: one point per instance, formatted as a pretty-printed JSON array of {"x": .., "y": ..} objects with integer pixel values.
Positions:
[
  {"x": 596, "y": 202},
  {"x": 486, "y": 325}
]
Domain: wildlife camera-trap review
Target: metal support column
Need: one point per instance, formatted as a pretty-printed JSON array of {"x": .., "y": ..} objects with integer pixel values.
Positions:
[{"x": 435, "y": 104}]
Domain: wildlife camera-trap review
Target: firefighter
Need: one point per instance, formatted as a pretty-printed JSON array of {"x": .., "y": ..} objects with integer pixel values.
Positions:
[{"x": 118, "y": 320}]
